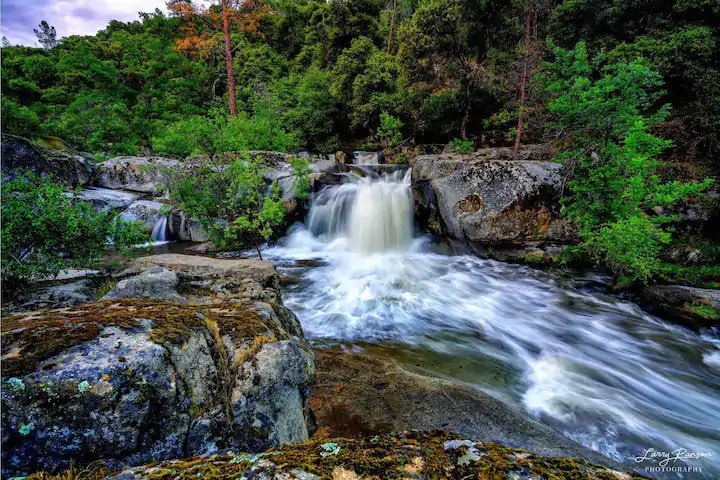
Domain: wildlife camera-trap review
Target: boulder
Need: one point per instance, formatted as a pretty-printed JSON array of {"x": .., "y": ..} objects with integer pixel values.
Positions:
[
  {"x": 45, "y": 156},
  {"x": 182, "y": 227},
  {"x": 63, "y": 294},
  {"x": 487, "y": 200},
  {"x": 130, "y": 381},
  {"x": 146, "y": 212},
  {"x": 410, "y": 455},
  {"x": 156, "y": 282},
  {"x": 106, "y": 199},
  {"x": 691, "y": 306},
  {"x": 138, "y": 174}
]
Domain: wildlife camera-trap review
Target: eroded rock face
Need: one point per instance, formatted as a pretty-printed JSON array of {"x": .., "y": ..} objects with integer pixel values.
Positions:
[
  {"x": 65, "y": 165},
  {"x": 489, "y": 200},
  {"x": 130, "y": 380},
  {"x": 413, "y": 455},
  {"x": 146, "y": 212},
  {"x": 691, "y": 306}
]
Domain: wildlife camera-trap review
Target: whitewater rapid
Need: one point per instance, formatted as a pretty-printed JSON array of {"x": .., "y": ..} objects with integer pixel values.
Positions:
[{"x": 591, "y": 365}]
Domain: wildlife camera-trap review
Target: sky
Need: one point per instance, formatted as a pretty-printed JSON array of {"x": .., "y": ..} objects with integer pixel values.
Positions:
[{"x": 69, "y": 17}]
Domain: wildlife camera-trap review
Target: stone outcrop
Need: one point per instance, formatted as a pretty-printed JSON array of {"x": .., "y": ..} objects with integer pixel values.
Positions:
[
  {"x": 46, "y": 156},
  {"x": 134, "y": 380},
  {"x": 411, "y": 455},
  {"x": 691, "y": 306},
  {"x": 138, "y": 174},
  {"x": 490, "y": 201}
]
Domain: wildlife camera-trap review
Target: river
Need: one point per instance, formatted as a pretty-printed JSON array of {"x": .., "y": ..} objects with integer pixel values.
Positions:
[{"x": 591, "y": 365}]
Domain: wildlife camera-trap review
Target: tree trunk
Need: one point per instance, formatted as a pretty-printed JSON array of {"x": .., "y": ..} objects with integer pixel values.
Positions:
[
  {"x": 523, "y": 79},
  {"x": 257, "y": 247},
  {"x": 229, "y": 58},
  {"x": 392, "y": 26}
]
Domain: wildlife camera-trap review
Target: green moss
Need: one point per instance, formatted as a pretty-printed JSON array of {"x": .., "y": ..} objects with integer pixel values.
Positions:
[
  {"x": 704, "y": 311},
  {"x": 31, "y": 338}
]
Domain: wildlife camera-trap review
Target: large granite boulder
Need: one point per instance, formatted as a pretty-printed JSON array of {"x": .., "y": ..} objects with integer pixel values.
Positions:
[
  {"x": 488, "y": 200},
  {"x": 138, "y": 174},
  {"x": 130, "y": 381},
  {"x": 410, "y": 455},
  {"x": 46, "y": 156}
]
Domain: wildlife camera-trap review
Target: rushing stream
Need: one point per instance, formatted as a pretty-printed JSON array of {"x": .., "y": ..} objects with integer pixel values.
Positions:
[{"x": 591, "y": 365}]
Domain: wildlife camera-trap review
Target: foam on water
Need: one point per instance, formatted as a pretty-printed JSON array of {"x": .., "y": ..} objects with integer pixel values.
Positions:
[{"x": 591, "y": 365}]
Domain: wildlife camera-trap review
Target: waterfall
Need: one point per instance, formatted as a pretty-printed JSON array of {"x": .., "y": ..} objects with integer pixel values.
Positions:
[
  {"x": 373, "y": 214},
  {"x": 159, "y": 231}
]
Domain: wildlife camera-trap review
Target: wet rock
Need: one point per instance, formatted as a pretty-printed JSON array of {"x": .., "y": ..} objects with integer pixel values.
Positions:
[
  {"x": 138, "y": 174},
  {"x": 694, "y": 307},
  {"x": 488, "y": 199},
  {"x": 131, "y": 381},
  {"x": 418, "y": 455},
  {"x": 46, "y": 156},
  {"x": 359, "y": 395},
  {"x": 106, "y": 199},
  {"x": 146, "y": 212}
]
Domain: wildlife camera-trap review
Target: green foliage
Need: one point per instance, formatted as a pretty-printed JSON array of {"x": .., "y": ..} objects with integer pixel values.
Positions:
[
  {"x": 45, "y": 230},
  {"x": 705, "y": 311},
  {"x": 235, "y": 203},
  {"x": 301, "y": 172},
  {"x": 461, "y": 146},
  {"x": 608, "y": 111},
  {"x": 389, "y": 132},
  {"x": 203, "y": 135}
]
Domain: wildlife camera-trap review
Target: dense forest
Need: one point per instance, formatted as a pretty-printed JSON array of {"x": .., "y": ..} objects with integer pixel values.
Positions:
[
  {"x": 625, "y": 91},
  {"x": 316, "y": 75}
]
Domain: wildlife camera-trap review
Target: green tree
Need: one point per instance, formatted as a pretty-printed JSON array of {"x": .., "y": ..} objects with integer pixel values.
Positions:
[{"x": 617, "y": 197}]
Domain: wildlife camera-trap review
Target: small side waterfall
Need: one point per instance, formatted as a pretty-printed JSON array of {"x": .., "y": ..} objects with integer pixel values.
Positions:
[
  {"x": 159, "y": 231},
  {"x": 373, "y": 214}
]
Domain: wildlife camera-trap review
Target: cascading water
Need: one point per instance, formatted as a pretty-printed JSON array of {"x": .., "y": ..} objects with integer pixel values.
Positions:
[
  {"x": 592, "y": 366},
  {"x": 159, "y": 231},
  {"x": 373, "y": 214}
]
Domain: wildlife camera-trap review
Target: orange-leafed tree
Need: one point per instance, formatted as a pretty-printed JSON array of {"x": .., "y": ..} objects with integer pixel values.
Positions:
[{"x": 204, "y": 22}]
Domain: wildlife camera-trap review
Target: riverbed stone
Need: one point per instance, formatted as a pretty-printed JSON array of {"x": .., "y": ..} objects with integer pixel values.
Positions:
[
  {"x": 360, "y": 394},
  {"x": 488, "y": 199},
  {"x": 156, "y": 282}
]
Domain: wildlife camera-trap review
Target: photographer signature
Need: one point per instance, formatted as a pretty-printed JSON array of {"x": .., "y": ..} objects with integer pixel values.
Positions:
[{"x": 664, "y": 458}]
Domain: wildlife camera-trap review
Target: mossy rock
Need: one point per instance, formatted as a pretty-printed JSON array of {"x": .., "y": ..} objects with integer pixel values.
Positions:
[
  {"x": 412, "y": 455},
  {"x": 129, "y": 380}
]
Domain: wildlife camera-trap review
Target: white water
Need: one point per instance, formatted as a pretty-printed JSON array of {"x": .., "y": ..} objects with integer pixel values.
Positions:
[
  {"x": 159, "y": 231},
  {"x": 591, "y": 365}
]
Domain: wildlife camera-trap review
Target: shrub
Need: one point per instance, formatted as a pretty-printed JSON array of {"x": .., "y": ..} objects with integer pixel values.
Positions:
[
  {"x": 389, "y": 132},
  {"x": 461, "y": 146},
  {"x": 45, "y": 230},
  {"x": 248, "y": 204}
]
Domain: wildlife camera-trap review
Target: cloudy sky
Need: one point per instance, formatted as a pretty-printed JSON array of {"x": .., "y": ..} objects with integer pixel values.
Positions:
[{"x": 69, "y": 17}]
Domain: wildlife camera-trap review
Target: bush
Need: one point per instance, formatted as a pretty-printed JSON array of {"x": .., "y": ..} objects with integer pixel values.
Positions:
[
  {"x": 236, "y": 203},
  {"x": 45, "y": 230},
  {"x": 461, "y": 146},
  {"x": 389, "y": 132}
]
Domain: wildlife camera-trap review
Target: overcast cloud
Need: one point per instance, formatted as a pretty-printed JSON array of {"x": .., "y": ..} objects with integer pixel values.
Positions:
[{"x": 69, "y": 17}]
